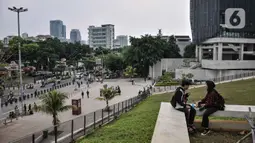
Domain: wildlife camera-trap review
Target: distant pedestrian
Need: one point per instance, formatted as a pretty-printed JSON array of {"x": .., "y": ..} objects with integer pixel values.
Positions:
[
  {"x": 25, "y": 109},
  {"x": 35, "y": 107},
  {"x": 87, "y": 84},
  {"x": 82, "y": 94},
  {"x": 87, "y": 93},
  {"x": 29, "y": 107},
  {"x": 16, "y": 109}
]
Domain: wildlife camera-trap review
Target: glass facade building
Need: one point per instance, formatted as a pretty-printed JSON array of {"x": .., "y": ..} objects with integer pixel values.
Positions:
[{"x": 208, "y": 16}]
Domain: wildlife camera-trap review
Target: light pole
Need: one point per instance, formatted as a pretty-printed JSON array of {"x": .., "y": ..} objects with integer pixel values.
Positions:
[{"x": 18, "y": 11}]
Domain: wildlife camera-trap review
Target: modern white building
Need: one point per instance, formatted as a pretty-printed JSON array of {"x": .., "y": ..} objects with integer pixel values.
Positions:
[
  {"x": 181, "y": 40},
  {"x": 121, "y": 41},
  {"x": 101, "y": 36},
  {"x": 75, "y": 35}
]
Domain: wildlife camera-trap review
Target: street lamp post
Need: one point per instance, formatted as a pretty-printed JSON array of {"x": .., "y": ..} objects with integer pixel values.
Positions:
[{"x": 18, "y": 11}]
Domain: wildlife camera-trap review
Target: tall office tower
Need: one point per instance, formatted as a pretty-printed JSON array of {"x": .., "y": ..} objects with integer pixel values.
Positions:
[
  {"x": 224, "y": 32},
  {"x": 64, "y": 31},
  {"x": 75, "y": 35},
  {"x": 101, "y": 36},
  {"x": 57, "y": 29}
]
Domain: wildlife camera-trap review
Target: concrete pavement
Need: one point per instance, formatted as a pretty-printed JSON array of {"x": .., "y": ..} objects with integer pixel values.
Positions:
[{"x": 39, "y": 121}]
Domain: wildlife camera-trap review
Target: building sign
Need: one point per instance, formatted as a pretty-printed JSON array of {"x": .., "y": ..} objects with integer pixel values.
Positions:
[{"x": 235, "y": 18}]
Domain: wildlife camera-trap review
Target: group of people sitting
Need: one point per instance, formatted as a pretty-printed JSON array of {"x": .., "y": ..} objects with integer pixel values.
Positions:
[{"x": 211, "y": 103}]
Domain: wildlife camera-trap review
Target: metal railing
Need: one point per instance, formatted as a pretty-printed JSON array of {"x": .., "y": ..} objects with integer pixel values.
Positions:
[
  {"x": 219, "y": 79},
  {"x": 83, "y": 125}
]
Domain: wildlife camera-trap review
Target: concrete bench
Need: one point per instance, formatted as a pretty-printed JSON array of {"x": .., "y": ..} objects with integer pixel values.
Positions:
[
  {"x": 170, "y": 126},
  {"x": 235, "y": 111}
]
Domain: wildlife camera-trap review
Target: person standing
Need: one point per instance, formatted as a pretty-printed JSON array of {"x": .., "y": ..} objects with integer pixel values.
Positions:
[
  {"x": 16, "y": 109},
  {"x": 25, "y": 109},
  {"x": 211, "y": 103},
  {"x": 87, "y": 93},
  {"x": 179, "y": 102},
  {"x": 82, "y": 94},
  {"x": 35, "y": 107}
]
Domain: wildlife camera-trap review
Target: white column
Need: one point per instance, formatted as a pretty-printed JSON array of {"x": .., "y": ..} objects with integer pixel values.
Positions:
[
  {"x": 200, "y": 53},
  {"x": 241, "y": 52},
  {"x": 215, "y": 53},
  {"x": 196, "y": 53},
  {"x": 220, "y": 51}
]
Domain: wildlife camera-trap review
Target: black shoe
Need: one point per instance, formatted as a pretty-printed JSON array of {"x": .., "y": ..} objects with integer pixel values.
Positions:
[{"x": 205, "y": 132}]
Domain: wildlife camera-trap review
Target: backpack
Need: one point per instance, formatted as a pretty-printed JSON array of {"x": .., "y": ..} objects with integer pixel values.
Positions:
[{"x": 220, "y": 101}]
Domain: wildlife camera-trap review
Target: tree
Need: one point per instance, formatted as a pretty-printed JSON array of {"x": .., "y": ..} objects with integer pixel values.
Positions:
[
  {"x": 113, "y": 62},
  {"x": 130, "y": 72},
  {"x": 53, "y": 103},
  {"x": 147, "y": 51},
  {"x": 101, "y": 51},
  {"x": 171, "y": 50},
  {"x": 106, "y": 94},
  {"x": 190, "y": 51}
]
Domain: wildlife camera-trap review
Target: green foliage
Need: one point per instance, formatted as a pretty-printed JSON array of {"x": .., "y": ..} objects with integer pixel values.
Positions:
[
  {"x": 190, "y": 51},
  {"x": 136, "y": 126},
  {"x": 113, "y": 62},
  {"x": 148, "y": 50},
  {"x": 187, "y": 76},
  {"x": 130, "y": 72},
  {"x": 101, "y": 51},
  {"x": 46, "y": 53},
  {"x": 167, "y": 77},
  {"x": 106, "y": 94},
  {"x": 53, "y": 103}
]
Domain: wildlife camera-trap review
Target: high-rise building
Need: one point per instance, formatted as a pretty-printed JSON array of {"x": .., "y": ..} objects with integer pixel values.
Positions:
[
  {"x": 224, "y": 48},
  {"x": 207, "y": 19},
  {"x": 57, "y": 29},
  {"x": 64, "y": 31},
  {"x": 122, "y": 40},
  {"x": 101, "y": 36},
  {"x": 75, "y": 35}
]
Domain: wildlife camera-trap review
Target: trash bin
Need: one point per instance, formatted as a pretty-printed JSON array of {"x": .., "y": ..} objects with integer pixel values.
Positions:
[{"x": 45, "y": 134}]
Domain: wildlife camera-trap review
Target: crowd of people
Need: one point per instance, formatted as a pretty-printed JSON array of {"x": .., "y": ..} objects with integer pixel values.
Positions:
[{"x": 211, "y": 103}]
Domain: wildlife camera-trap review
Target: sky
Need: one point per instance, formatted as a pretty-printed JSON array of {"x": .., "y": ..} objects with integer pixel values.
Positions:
[{"x": 130, "y": 17}]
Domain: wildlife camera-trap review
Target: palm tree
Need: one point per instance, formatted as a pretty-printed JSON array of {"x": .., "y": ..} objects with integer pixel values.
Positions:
[
  {"x": 106, "y": 94},
  {"x": 53, "y": 103},
  {"x": 130, "y": 72}
]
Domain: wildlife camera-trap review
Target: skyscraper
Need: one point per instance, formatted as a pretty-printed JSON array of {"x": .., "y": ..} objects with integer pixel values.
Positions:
[
  {"x": 75, "y": 35},
  {"x": 224, "y": 34},
  {"x": 208, "y": 16},
  {"x": 101, "y": 36},
  {"x": 57, "y": 29},
  {"x": 64, "y": 31}
]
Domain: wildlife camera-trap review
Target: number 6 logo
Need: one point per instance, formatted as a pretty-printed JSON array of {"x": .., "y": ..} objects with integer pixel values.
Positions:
[{"x": 235, "y": 18}]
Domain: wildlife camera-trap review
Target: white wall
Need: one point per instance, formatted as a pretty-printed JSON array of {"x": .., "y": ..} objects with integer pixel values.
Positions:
[
  {"x": 228, "y": 64},
  {"x": 169, "y": 65},
  {"x": 205, "y": 74}
]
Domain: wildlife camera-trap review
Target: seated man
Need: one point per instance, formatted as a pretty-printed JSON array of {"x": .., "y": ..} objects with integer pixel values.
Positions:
[{"x": 179, "y": 101}]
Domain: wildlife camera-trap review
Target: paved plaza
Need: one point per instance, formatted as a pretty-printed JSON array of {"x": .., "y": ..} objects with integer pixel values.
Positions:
[{"x": 39, "y": 121}]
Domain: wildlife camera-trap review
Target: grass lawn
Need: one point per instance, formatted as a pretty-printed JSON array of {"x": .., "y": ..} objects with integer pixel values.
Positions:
[
  {"x": 137, "y": 125},
  {"x": 239, "y": 92}
]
